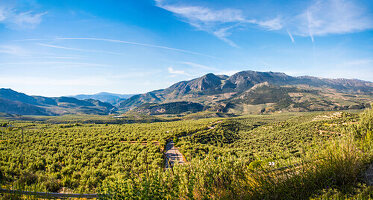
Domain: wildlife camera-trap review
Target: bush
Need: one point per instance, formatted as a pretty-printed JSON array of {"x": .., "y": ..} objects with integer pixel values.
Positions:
[
  {"x": 365, "y": 126},
  {"x": 52, "y": 185},
  {"x": 27, "y": 178}
]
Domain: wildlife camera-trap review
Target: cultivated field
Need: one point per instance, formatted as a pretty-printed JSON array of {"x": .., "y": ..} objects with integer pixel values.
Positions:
[{"x": 237, "y": 157}]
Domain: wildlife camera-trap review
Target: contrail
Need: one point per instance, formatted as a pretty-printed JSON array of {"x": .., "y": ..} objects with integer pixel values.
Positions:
[
  {"x": 77, "y": 49},
  {"x": 291, "y": 36},
  {"x": 139, "y": 44}
]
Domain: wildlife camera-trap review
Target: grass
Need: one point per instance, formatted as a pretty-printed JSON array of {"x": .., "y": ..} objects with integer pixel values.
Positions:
[{"x": 338, "y": 167}]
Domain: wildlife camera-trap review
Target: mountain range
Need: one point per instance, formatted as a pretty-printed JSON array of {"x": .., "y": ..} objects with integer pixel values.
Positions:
[
  {"x": 258, "y": 92},
  {"x": 13, "y": 102},
  {"x": 246, "y": 92}
]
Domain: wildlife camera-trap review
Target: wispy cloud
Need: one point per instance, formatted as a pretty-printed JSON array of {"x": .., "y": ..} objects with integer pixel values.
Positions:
[
  {"x": 107, "y": 40},
  {"x": 18, "y": 19},
  {"x": 322, "y": 17},
  {"x": 271, "y": 24},
  {"x": 77, "y": 49},
  {"x": 205, "y": 15},
  {"x": 331, "y": 17},
  {"x": 28, "y": 18},
  {"x": 176, "y": 72},
  {"x": 139, "y": 44},
  {"x": 61, "y": 47},
  {"x": 221, "y": 23},
  {"x": 196, "y": 65},
  {"x": 224, "y": 33}
]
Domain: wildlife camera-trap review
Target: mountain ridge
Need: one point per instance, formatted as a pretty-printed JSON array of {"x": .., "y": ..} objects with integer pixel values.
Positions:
[
  {"x": 217, "y": 89},
  {"x": 14, "y": 102},
  {"x": 241, "y": 93}
]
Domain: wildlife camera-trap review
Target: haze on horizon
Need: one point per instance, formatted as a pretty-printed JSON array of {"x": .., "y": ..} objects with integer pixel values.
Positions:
[{"x": 56, "y": 48}]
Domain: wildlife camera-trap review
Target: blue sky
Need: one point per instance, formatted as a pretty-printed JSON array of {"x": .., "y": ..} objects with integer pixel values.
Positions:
[{"x": 55, "y": 48}]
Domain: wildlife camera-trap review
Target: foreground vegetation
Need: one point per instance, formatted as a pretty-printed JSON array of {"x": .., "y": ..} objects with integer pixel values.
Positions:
[
  {"x": 330, "y": 170},
  {"x": 228, "y": 158}
]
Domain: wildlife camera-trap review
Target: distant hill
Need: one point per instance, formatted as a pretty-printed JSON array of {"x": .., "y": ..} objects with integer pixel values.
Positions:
[
  {"x": 104, "y": 97},
  {"x": 13, "y": 102},
  {"x": 253, "y": 92},
  {"x": 17, "y": 107}
]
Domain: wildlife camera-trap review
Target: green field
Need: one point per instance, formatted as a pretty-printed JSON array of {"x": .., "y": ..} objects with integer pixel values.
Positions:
[{"x": 95, "y": 154}]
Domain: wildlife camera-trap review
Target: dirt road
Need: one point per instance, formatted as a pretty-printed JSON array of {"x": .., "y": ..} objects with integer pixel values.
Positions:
[{"x": 173, "y": 155}]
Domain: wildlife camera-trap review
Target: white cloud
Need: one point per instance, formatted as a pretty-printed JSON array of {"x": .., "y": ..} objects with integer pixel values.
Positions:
[
  {"x": 331, "y": 17},
  {"x": 322, "y": 17},
  {"x": 206, "y": 19},
  {"x": 28, "y": 18},
  {"x": 271, "y": 25},
  {"x": 178, "y": 72},
  {"x": 196, "y": 65},
  {"x": 220, "y": 23},
  {"x": 14, "y": 18},
  {"x": 223, "y": 34},
  {"x": 204, "y": 15}
]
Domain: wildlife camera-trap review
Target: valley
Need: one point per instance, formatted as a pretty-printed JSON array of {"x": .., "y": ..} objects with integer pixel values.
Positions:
[
  {"x": 252, "y": 135},
  {"x": 84, "y": 157}
]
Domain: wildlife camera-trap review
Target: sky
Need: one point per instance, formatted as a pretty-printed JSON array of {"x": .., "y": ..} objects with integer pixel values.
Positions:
[{"x": 56, "y": 48}]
